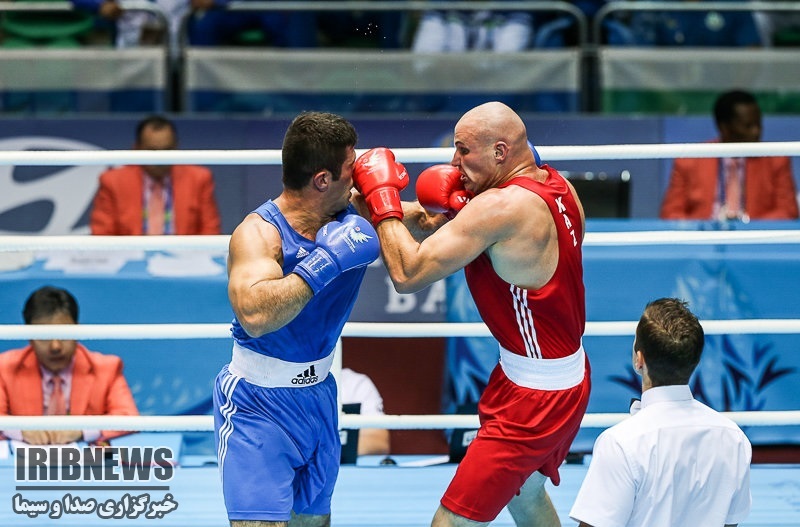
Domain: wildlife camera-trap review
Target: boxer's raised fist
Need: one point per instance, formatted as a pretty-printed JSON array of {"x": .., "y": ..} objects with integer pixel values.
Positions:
[
  {"x": 440, "y": 189},
  {"x": 341, "y": 246},
  {"x": 380, "y": 179}
]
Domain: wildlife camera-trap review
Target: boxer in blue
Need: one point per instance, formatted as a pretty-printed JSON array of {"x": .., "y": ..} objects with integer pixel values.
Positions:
[{"x": 295, "y": 266}]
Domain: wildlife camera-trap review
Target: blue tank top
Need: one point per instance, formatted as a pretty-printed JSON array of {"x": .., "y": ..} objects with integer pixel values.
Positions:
[{"x": 313, "y": 333}]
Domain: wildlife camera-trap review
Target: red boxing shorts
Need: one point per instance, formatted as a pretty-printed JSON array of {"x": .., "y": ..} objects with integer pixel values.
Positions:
[{"x": 522, "y": 430}]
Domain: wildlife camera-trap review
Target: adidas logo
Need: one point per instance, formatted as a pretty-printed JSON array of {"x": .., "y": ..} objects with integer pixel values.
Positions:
[
  {"x": 301, "y": 253},
  {"x": 307, "y": 377}
]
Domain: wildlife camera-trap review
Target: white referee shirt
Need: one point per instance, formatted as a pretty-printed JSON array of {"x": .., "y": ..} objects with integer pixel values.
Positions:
[
  {"x": 359, "y": 388},
  {"x": 676, "y": 462}
]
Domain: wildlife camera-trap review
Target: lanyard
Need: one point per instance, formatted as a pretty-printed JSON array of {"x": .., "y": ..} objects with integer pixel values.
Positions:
[
  {"x": 166, "y": 189},
  {"x": 723, "y": 179}
]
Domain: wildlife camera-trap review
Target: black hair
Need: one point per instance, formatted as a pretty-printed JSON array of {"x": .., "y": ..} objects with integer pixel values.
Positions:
[
  {"x": 315, "y": 141},
  {"x": 47, "y": 301},
  {"x": 725, "y": 105},
  {"x": 156, "y": 122}
]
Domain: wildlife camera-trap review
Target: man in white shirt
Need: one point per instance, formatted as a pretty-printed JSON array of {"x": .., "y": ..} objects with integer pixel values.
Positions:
[
  {"x": 359, "y": 388},
  {"x": 675, "y": 461}
]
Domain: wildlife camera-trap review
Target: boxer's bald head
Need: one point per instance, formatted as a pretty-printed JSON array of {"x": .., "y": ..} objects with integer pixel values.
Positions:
[
  {"x": 491, "y": 146},
  {"x": 492, "y": 122}
]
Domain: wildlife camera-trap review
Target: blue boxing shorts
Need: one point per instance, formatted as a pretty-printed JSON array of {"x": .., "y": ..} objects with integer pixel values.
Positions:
[{"x": 278, "y": 448}]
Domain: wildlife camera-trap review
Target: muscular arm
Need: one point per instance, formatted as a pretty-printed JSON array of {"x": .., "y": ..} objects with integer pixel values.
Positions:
[
  {"x": 413, "y": 265},
  {"x": 261, "y": 297},
  {"x": 419, "y": 222}
]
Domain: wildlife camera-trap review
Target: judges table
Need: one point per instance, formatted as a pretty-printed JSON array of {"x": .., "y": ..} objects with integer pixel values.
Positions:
[{"x": 742, "y": 372}]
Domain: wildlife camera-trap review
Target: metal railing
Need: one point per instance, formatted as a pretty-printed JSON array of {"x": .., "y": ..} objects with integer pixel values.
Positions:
[
  {"x": 559, "y": 7},
  {"x": 413, "y": 6},
  {"x": 126, "y": 6},
  {"x": 589, "y": 33},
  {"x": 613, "y": 8}
]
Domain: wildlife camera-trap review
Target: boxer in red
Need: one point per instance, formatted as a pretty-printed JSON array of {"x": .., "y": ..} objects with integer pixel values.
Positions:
[{"x": 517, "y": 230}]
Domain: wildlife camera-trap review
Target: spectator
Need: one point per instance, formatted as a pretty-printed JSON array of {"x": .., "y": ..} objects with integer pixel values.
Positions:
[
  {"x": 696, "y": 28},
  {"x": 23, "y": 29},
  {"x": 362, "y": 29},
  {"x": 211, "y": 24},
  {"x": 735, "y": 188},
  {"x": 457, "y": 31},
  {"x": 134, "y": 28},
  {"x": 502, "y": 31},
  {"x": 60, "y": 377},
  {"x": 779, "y": 29},
  {"x": 675, "y": 461},
  {"x": 155, "y": 199},
  {"x": 359, "y": 388}
]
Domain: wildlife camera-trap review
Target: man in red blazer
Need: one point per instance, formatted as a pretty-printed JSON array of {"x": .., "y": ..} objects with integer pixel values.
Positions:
[
  {"x": 155, "y": 199},
  {"x": 766, "y": 188},
  {"x": 90, "y": 383}
]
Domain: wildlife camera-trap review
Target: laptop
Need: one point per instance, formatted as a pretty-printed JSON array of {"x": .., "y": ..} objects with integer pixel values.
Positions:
[{"x": 349, "y": 437}]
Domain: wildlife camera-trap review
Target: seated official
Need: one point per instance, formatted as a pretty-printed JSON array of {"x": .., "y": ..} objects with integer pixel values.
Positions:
[
  {"x": 212, "y": 24},
  {"x": 60, "y": 377},
  {"x": 155, "y": 199},
  {"x": 735, "y": 188},
  {"x": 358, "y": 388}
]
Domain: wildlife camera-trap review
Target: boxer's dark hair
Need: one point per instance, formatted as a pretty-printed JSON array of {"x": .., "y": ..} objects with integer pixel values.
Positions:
[{"x": 313, "y": 142}]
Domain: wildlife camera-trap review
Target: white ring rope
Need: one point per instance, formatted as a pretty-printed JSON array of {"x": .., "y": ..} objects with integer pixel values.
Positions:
[
  {"x": 216, "y": 243},
  {"x": 404, "y": 155},
  {"x": 354, "y": 329},
  {"x": 361, "y": 329},
  {"x": 219, "y": 243},
  {"x": 351, "y": 329},
  {"x": 205, "y": 423}
]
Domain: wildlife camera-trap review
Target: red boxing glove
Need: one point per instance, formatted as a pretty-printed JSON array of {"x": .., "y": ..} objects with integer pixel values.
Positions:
[
  {"x": 440, "y": 189},
  {"x": 380, "y": 179}
]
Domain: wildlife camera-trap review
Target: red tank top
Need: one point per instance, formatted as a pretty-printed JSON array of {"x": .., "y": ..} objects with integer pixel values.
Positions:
[{"x": 545, "y": 323}]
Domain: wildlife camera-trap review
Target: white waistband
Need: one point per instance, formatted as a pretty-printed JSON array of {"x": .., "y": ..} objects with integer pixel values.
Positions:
[
  {"x": 271, "y": 372},
  {"x": 544, "y": 374}
]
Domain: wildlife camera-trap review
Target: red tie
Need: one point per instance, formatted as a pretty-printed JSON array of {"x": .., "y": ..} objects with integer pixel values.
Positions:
[
  {"x": 155, "y": 209},
  {"x": 57, "y": 405},
  {"x": 733, "y": 188}
]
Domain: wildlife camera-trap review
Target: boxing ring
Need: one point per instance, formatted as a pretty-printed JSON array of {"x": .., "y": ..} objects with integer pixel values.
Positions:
[{"x": 368, "y": 493}]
